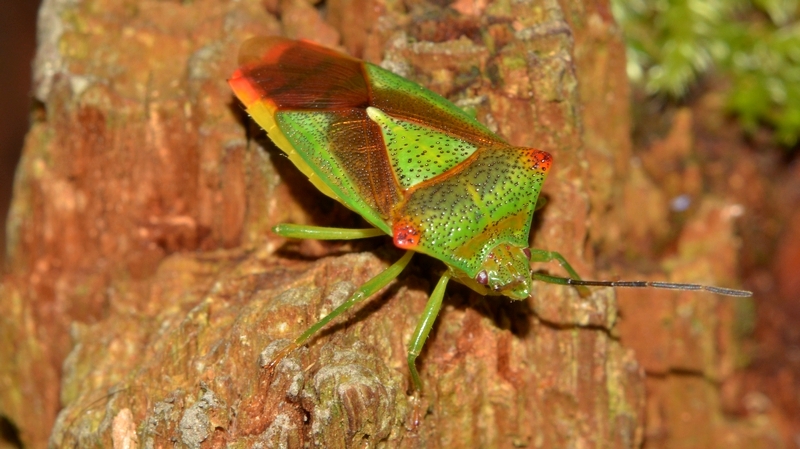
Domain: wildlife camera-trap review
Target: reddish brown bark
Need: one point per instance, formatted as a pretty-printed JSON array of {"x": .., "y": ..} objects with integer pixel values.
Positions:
[{"x": 146, "y": 292}]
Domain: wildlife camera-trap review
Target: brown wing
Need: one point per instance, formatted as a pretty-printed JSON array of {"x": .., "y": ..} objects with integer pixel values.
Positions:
[{"x": 298, "y": 76}]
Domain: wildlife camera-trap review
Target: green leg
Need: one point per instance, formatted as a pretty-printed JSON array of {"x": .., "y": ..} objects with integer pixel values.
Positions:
[
  {"x": 294, "y": 231},
  {"x": 424, "y": 328},
  {"x": 540, "y": 255},
  {"x": 365, "y": 291}
]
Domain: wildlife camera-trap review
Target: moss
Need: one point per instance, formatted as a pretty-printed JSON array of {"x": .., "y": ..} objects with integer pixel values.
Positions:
[{"x": 753, "y": 44}]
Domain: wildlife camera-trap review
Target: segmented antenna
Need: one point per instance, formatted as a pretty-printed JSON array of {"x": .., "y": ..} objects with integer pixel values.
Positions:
[{"x": 643, "y": 284}]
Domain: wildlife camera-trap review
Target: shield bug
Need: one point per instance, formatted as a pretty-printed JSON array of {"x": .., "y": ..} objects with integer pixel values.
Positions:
[{"x": 413, "y": 165}]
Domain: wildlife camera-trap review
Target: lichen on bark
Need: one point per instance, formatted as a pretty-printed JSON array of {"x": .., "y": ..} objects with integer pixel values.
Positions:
[{"x": 146, "y": 290}]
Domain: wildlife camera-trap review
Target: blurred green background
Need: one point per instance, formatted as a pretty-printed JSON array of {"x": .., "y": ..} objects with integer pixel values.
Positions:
[{"x": 753, "y": 46}]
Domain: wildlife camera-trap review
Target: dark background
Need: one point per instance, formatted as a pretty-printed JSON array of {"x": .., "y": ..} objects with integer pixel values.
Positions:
[{"x": 17, "y": 45}]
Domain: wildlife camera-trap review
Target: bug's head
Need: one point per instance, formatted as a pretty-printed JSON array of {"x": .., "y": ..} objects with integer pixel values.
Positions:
[{"x": 505, "y": 272}]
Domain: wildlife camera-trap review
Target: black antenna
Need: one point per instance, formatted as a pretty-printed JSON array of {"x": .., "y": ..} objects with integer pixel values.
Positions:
[{"x": 642, "y": 284}]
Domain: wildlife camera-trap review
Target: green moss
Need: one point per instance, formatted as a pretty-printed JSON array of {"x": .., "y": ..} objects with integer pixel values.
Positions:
[{"x": 754, "y": 44}]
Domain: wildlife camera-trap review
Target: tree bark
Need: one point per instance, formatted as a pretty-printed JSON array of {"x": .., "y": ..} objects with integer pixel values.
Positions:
[{"x": 146, "y": 292}]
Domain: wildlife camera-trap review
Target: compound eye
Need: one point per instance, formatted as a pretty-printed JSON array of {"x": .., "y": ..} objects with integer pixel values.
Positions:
[
  {"x": 527, "y": 252},
  {"x": 482, "y": 278}
]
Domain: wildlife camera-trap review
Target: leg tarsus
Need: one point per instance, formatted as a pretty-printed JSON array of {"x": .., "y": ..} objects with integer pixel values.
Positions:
[
  {"x": 416, "y": 410},
  {"x": 280, "y": 355}
]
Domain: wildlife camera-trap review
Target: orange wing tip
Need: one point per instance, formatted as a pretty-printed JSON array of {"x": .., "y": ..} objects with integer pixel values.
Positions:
[
  {"x": 256, "y": 52},
  {"x": 244, "y": 89},
  {"x": 538, "y": 160},
  {"x": 406, "y": 236}
]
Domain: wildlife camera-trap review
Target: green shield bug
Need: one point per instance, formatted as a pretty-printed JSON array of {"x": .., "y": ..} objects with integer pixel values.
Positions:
[{"x": 413, "y": 165}]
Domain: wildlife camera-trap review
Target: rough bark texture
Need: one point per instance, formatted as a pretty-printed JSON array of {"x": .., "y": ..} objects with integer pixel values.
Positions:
[{"x": 146, "y": 293}]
